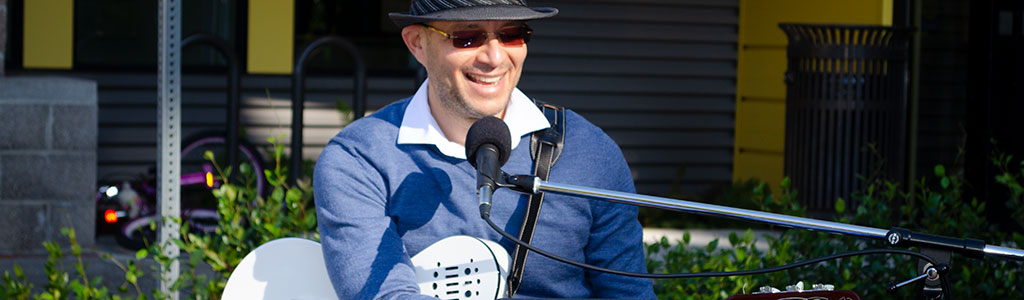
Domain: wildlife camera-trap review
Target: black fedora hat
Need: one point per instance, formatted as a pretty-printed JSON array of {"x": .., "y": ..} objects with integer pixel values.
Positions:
[{"x": 466, "y": 10}]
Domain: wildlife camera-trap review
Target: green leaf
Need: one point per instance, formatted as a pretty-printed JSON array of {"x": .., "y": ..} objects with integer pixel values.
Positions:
[
  {"x": 245, "y": 168},
  {"x": 840, "y": 206},
  {"x": 76, "y": 250},
  {"x": 274, "y": 230},
  {"x": 294, "y": 195},
  {"x": 712, "y": 245},
  {"x": 216, "y": 262},
  {"x": 270, "y": 176},
  {"x": 940, "y": 171},
  {"x": 277, "y": 195},
  {"x": 748, "y": 236},
  {"x": 131, "y": 278},
  {"x": 740, "y": 254},
  {"x": 141, "y": 254},
  {"x": 944, "y": 182}
]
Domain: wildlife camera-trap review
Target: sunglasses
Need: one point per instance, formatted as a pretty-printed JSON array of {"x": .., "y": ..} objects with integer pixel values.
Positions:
[{"x": 513, "y": 36}]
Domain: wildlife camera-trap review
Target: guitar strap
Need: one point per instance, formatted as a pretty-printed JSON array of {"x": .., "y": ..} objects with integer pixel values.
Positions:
[{"x": 545, "y": 148}]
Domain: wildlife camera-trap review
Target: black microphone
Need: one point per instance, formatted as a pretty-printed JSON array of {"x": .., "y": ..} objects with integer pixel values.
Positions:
[{"x": 488, "y": 145}]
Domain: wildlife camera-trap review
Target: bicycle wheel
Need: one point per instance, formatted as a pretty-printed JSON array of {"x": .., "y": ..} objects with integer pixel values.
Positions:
[
  {"x": 198, "y": 205},
  {"x": 195, "y": 185},
  {"x": 136, "y": 234}
]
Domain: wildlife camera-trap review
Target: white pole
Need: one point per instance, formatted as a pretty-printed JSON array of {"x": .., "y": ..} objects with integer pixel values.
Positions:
[{"x": 169, "y": 136}]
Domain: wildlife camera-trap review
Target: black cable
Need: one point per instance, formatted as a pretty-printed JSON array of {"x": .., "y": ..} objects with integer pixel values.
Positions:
[{"x": 945, "y": 291}]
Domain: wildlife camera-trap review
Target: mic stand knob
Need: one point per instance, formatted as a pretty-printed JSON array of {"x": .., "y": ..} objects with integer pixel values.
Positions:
[{"x": 930, "y": 273}]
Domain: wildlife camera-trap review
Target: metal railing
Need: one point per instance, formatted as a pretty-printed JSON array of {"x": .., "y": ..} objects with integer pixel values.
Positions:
[
  {"x": 298, "y": 92},
  {"x": 234, "y": 100}
]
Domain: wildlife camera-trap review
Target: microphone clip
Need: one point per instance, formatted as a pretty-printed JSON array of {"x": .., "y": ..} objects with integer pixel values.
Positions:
[{"x": 486, "y": 186}]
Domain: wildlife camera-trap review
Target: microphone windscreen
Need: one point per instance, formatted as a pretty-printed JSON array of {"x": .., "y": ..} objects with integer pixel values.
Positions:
[{"x": 489, "y": 130}]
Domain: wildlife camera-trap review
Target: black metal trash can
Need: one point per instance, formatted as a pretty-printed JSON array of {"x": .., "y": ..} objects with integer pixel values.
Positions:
[{"x": 846, "y": 109}]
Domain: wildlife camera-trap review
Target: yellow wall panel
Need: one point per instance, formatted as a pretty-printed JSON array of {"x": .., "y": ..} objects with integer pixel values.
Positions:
[
  {"x": 764, "y": 166},
  {"x": 47, "y": 42},
  {"x": 760, "y": 24},
  {"x": 762, "y": 73},
  {"x": 271, "y": 36},
  {"x": 760, "y": 125}
]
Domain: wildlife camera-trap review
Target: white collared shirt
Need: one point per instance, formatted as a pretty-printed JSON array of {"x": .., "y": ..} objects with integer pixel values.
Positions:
[{"x": 419, "y": 126}]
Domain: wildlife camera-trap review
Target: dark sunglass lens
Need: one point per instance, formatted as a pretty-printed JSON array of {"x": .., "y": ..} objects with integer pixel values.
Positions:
[
  {"x": 515, "y": 36},
  {"x": 468, "y": 39}
]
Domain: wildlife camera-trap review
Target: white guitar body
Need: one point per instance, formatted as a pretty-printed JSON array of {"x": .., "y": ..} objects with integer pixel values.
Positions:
[
  {"x": 457, "y": 267},
  {"x": 462, "y": 267}
]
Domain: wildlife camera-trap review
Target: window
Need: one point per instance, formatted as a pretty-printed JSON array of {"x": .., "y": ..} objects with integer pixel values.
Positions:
[{"x": 365, "y": 23}]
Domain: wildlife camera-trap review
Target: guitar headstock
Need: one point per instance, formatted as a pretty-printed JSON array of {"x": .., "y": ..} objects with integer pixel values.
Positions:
[{"x": 797, "y": 292}]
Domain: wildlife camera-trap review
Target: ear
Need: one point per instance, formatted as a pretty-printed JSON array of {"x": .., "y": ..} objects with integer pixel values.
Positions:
[{"x": 416, "y": 42}]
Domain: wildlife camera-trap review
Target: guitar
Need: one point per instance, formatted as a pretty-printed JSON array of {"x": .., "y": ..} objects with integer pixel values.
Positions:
[
  {"x": 796, "y": 292},
  {"x": 457, "y": 267},
  {"x": 462, "y": 267}
]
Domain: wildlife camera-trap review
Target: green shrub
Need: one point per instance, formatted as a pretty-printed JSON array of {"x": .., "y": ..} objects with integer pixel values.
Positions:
[
  {"x": 248, "y": 220},
  {"x": 940, "y": 210}
]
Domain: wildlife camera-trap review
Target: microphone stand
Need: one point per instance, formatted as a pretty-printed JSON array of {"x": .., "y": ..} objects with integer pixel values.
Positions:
[{"x": 936, "y": 246}]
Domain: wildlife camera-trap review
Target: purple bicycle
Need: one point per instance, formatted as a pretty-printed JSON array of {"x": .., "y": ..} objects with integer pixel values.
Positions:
[{"x": 127, "y": 208}]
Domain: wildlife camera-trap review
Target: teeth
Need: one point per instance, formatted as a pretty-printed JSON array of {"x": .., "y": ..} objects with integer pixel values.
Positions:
[{"x": 489, "y": 80}]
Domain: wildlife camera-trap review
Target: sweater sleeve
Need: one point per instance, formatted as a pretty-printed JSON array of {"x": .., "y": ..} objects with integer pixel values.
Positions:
[
  {"x": 364, "y": 254},
  {"x": 616, "y": 240}
]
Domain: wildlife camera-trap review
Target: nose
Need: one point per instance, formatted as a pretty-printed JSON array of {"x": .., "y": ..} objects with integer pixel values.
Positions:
[{"x": 491, "y": 53}]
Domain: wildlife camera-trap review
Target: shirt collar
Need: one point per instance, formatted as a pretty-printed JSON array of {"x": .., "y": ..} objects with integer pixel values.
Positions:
[{"x": 419, "y": 126}]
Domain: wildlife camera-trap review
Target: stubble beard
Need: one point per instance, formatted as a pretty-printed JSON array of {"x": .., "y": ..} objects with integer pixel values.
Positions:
[{"x": 456, "y": 103}]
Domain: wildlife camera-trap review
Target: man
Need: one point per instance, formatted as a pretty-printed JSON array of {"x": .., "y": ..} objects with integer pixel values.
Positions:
[{"x": 393, "y": 183}]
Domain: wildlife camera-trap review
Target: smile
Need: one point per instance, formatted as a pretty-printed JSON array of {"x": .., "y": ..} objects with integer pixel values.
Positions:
[{"x": 485, "y": 80}]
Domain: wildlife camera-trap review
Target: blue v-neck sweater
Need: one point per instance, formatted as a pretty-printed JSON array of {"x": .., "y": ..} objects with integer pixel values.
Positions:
[{"x": 379, "y": 203}]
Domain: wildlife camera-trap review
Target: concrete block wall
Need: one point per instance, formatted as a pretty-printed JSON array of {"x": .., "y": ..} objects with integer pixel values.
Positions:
[{"x": 47, "y": 161}]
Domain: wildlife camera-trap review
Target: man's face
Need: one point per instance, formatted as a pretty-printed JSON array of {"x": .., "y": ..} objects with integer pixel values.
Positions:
[{"x": 472, "y": 82}]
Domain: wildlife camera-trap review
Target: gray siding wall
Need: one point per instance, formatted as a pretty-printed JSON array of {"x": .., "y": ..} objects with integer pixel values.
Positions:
[{"x": 658, "y": 76}]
